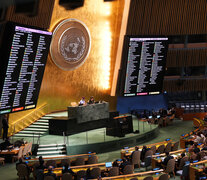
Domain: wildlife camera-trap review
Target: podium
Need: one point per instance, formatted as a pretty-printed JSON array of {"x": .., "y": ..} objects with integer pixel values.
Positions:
[{"x": 120, "y": 126}]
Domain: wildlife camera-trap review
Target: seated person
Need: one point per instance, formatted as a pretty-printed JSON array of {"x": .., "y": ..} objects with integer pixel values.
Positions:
[
  {"x": 50, "y": 173},
  {"x": 5, "y": 145},
  {"x": 167, "y": 158},
  {"x": 41, "y": 163},
  {"x": 91, "y": 100},
  {"x": 67, "y": 169},
  {"x": 143, "y": 152},
  {"x": 123, "y": 164},
  {"x": 196, "y": 149},
  {"x": 82, "y": 102}
]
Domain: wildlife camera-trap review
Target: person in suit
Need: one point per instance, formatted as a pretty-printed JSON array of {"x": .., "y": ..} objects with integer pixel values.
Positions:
[
  {"x": 50, "y": 173},
  {"x": 143, "y": 152},
  {"x": 167, "y": 158},
  {"x": 91, "y": 100},
  {"x": 123, "y": 164},
  {"x": 5, "y": 127}
]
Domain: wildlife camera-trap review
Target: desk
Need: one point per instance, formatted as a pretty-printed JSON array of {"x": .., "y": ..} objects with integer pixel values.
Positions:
[
  {"x": 156, "y": 158},
  {"x": 196, "y": 168},
  {"x": 14, "y": 151},
  {"x": 58, "y": 171},
  {"x": 72, "y": 158},
  {"x": 139, "y": 176},
  {"x": 90, "y": 112},
  {"x": 127, "y": 152}
]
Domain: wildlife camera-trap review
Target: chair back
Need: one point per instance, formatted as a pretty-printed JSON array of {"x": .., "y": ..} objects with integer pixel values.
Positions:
[
  {"x": 194, "y": 157},
  {"x": 147, "y": 161},
  {"x": 175, "y": 146},
  {"x": 81, "y": 174},
  {"x": 148, "y": 153},
  {"x": 133, "y": 179},
  {"x": 92, "y": 159},
  {"x": 67, "y": 176},
  {"x": 34, "y": 166},
  {"x": 114, "y": 171},
  {"x": 153, "y": 148},
  {"x": 161, "y": 149},
  {"x": 168, "y": 147},
  {"x": 65, "y": 162},
  {"x": 136, "y": 157},
  {"x": 51, "y": 163},
  {"x": 182, "y": 162},
  {"x": 148, "y": 178},
  {"x": 170, "y": 166},
  {"x": 49, "y": 178},
  {"x": 95, "y": 172},
  {"x": 164, "y": 177},
  {"x": 79, "y": 161},
  {"x": 128, "y": 169},
  {"x": 22, "y": 170}
]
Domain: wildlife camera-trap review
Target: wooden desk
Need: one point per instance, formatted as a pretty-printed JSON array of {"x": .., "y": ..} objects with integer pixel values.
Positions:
[
  {"x": 140, "y": 175},
  {"x": 127, "y": 152},
  {"x": 14, "y": 151},
  {"x": 72, "y": 158},
  {"x": 186, "y": 137},
  {"x": 58, "y": 171},
  {"x": 156, "y": 158},
  {"x": 196, "y": 168}
]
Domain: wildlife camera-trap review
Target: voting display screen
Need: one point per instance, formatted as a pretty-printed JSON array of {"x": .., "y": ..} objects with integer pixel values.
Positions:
[
  {"x": 144, "y": 65},
  {"x": 23, "y": 56}
]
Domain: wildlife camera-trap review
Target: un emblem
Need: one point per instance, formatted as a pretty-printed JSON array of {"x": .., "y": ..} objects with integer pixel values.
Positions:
[{"x": 70, "y": 44}]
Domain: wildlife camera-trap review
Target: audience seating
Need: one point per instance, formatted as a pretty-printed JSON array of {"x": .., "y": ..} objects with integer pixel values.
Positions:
[
  {"x": 92, "y": 159},
  {"x": 164, "y": 177},
  {"x": 49, "y": 178},
  {"x": 170, "y": 167},
  {"x": 81, "y": 174},
  {"x": 114, "y": 171},
  {"x": 147, "y": 162},
  {"x": 136, "y": 158},
  {"x": 148, "y": 178},
  {"x": 128, "y": 169},
  {"x": 22, "y": 171},
  {"x": 161, "y": 149},
  {"x": 65, "y": 162},
  {"x": 175, "y": 146},
  {"x": 95, "y": 172},
  {"x": 67, "y": 176},
  {"x": 168, "y": 147},
  {"x": 79, "y": 161}
]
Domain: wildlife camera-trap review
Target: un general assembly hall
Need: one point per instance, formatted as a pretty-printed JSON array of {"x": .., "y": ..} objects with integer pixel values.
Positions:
[{"x": 103, "y": 89}]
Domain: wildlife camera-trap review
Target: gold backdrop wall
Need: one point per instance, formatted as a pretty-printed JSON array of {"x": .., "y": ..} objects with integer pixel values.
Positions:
[{"x": 60, "y": 88}]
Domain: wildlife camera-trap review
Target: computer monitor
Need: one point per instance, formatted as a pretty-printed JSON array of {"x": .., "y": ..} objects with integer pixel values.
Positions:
[
  {"x": 108, "y": 164},
  {"x": 150, "y": 117},
  {"x": 158, "y": 116}
]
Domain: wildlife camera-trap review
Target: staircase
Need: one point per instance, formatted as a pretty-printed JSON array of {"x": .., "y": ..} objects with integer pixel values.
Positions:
[
  {"x": 38, "y": 128},
  {"x": 52, "y": 150}
]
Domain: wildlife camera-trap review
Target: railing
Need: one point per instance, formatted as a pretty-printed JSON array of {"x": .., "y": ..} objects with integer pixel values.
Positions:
[{"x": 25, "y": 121}]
